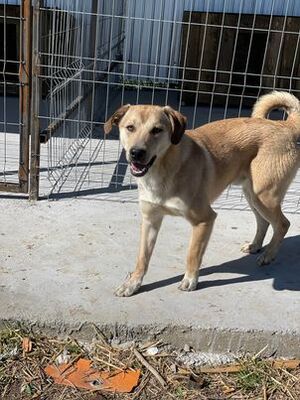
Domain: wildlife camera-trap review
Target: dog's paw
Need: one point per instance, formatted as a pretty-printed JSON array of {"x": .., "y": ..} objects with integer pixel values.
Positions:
[
  {"x": 188, "y": 284},
  {"x": 250, "y": 248},
  {"x": 265, "y": 259},
  {"x": 128, "y": 288}
]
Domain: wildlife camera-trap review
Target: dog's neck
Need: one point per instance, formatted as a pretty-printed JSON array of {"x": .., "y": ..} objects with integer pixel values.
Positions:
[{"x": 161, "y": 175}]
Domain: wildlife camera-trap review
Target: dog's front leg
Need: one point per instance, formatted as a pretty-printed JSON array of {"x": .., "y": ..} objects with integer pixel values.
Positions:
[
  {"x": 151, "y": 223},
  {"x": 198, "y": 242}
]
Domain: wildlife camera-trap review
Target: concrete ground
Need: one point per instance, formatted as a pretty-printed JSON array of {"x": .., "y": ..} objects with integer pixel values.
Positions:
[{"x": 61, "y": 260}]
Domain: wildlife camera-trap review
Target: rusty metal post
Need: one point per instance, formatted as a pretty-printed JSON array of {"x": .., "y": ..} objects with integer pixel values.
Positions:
[
  {"x": 25, "y": 92},
  {"x": 35, "y": 103}
]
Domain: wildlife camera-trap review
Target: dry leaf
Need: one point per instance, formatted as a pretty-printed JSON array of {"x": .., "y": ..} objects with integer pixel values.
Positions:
[{"x": 82, "y": 375}]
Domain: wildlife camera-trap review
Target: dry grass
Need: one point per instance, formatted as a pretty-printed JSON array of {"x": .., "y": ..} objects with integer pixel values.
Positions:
[{"x": 22, "y": 374}]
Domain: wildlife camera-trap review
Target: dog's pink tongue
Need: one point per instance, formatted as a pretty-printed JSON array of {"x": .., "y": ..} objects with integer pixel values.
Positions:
[{"x": 135, "y": 167}]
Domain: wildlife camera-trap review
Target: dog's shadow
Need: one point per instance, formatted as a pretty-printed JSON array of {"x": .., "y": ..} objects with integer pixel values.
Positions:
[{"x": 285, "y": 270}]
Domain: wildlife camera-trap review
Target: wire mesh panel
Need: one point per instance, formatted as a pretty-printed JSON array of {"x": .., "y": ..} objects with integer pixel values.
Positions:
[
  {"x": 15, "y": 71},
  {"x": 80, "y": 44},
  {"x": 208, "y": 59}
]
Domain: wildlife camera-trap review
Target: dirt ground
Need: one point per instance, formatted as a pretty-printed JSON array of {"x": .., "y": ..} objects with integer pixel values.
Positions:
[{"x": 23, "y": 358}]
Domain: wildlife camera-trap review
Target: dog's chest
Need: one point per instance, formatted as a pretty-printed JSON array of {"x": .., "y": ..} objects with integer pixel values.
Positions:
[
  {"x": 175, "y": 206},
  {"x": 159, "y": 195}
]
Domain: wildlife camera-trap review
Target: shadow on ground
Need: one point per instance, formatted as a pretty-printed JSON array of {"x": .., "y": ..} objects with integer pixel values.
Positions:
[{"x": 284, "y": 271}]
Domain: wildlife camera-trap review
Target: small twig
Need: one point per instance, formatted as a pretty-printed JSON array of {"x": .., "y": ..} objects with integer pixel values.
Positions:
[
  {"x": 290, "y": 394},
  {"x": 276, "y": 381},
  {"x": 107, "y": 363},
  {"x": 150, "y": 368},
  {"x": 260, "y": 352},
  {"x": 111, "y": 357},
  {"x": 100, "y": 334},
  {"x": 290, "y": 375},
  {"x": 265, "y": 392},
  {"x": 150, "y": 344},
  {"x": 141, "y": 388},
  {"x": 62, "y": 396}
]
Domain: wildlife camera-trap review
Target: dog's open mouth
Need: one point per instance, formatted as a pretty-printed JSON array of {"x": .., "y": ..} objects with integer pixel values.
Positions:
[{"x": 138, "y": 169}]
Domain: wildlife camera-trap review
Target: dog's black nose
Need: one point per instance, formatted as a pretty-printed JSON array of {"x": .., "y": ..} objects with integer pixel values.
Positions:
[{"x": 137, "y": 154}]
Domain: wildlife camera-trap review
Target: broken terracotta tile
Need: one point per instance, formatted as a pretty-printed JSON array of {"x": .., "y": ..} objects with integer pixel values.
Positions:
[{"x": 82, "y": 375}]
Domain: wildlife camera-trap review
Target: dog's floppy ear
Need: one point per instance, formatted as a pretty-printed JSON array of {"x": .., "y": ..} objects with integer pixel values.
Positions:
[
  {"x": 115, "y": 118},
  {"x": 178, "y": 122}
]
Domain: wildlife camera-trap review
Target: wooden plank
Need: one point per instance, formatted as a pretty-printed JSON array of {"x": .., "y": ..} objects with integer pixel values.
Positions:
[{"x": 10, "y": 187}]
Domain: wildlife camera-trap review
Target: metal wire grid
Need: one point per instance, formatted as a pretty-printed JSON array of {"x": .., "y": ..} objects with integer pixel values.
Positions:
[
  {"x": 142, "y": 52},
  {"x": 76, "y": 41},
  {"x": 11, "y": 21}
]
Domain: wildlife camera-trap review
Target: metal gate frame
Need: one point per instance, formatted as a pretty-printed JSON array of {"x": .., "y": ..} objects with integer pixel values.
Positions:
[{"x": 26, "y": 171}]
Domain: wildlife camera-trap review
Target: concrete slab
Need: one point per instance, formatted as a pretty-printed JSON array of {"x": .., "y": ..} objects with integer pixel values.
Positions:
[{"x": 60, "y": 262}]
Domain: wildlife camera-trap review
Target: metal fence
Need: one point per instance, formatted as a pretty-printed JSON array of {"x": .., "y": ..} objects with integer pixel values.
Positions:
[
  {"x": 210, "y": 59},
  {"x": 81, "y": 44}
]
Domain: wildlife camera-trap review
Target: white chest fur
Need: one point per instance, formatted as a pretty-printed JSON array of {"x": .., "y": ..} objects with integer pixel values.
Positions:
[{"x": 158, "y": 192}]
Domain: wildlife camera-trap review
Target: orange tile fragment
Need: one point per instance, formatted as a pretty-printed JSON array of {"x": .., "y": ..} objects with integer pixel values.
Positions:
[{"x": 82, "y": 375}]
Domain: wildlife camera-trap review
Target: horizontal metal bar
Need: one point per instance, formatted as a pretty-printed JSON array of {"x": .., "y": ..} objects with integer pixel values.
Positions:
[
  {"x": 188, "y": 23},
  {"x": 151, "y": 78},
  {"x": 10, "y": 123},
  {"x": 83, "y": 58},
  {"x": 144, "y": 64},
  {"x": 53, "y": 34},
  {"x": 8, "y": 83},
  {"x": 9, "y": 73},
  {"x": 9, "y": 61},
  {"x": 228, "y": 84},
  {"x": 7, "y": 17}
]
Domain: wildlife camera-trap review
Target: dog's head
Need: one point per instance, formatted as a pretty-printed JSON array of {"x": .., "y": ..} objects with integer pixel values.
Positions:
[{"x": 146, "y": 133}]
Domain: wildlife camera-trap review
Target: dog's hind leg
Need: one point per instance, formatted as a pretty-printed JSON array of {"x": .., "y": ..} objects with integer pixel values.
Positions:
[
  {"x": 151, "y": 223},
  {"x": 280, "y": 225},
  {"x": 261, "y": 225},
  {"x": 268, "y": 204},
  {"x": 271, "y": 176},
  {"x": 202, "y": 228}
]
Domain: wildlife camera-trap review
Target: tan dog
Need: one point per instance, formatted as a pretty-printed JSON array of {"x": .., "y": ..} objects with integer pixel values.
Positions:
[{"x": 182, "y": 174}]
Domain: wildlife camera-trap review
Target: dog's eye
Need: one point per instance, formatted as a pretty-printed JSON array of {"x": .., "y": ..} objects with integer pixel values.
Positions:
[
  {"x": 130, "y": 128},
  {"x": 156, "y": 130}
]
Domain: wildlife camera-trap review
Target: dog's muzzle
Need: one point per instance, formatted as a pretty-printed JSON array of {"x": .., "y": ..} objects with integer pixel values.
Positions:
[{"x": 139, "y": 169}]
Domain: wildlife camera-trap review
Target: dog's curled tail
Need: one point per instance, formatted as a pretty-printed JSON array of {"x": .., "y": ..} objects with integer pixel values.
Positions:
[{"x": 276, "y": 100}]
